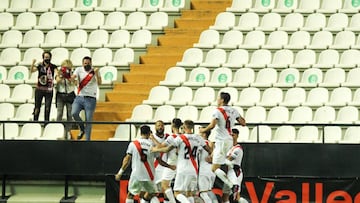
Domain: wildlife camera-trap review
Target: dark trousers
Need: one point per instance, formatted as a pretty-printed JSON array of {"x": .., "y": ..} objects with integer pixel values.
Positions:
[{"x": 39, "y": 95}]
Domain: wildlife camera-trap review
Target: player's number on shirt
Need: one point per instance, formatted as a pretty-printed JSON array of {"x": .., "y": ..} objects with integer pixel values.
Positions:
[
  {"x": 227, "y": 123},
  {"x": 143, "y": 155},
  {"x": 187, "y": 152}
]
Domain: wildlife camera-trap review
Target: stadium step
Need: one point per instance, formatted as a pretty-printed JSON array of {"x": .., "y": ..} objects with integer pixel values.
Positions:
[
  {"x": 184, "y": 40},
  {"x": 129, "y": 87},
  {"x": 198, "y": 23},
  {"x": 159, "y": 58},
  {"x": 209, "y": 5},
  {"x": 143, "y": 77}
]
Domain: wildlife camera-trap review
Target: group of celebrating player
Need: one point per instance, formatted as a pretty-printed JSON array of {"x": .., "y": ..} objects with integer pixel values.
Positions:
[{"x": 197, "y": 166}]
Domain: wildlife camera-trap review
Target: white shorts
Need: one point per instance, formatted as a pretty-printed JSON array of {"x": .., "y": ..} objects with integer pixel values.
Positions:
[
  {"x": 185, "y": 183},
  {"x": 220, "y": 150},
  {"x": 206, "y": 182},
  {"x": 158, "y": 173},
  {"x": 168, "y": 174},
  {"x": 135, "y": 186}
]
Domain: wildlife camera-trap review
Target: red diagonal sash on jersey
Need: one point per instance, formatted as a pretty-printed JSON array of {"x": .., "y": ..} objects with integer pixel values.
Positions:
[
  {"x": 226, "y": 119},
  {"x": 85, "y": 81},
  {"x": 147, "y": 165},
  {"x": 187, "y": 143}
]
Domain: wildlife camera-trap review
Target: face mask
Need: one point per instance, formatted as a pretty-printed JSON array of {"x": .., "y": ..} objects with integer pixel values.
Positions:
[
  {"x": 87, "y": 67},
  {"x": 47, "y": 61}
]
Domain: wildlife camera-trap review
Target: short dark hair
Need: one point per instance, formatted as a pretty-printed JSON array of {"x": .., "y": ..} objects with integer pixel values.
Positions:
[
  {"x": 189, "y": 124},
  {"x": 176, "y": 122},
  {"x": 87, "y": 58},
  {"x": 145, "y": 130},
  {"x": 46, "y": 52},
  {"x": 207, "y": 133},
  {"x": 225, "y": 96},
  {"x": 235, "y": 131}
]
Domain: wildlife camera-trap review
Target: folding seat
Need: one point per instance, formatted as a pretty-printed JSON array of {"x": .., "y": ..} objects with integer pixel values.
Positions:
[
  {"x": 70, "y": 21},
  {"x": 4, "y": 5},
  {"x": 234, "y": 94},
  {"x": 269, "y": 22},
  {"x": 349, "y": 59},
  {"x": 321, "y": 40},
  {"x": 307, "y": 6},
  {"x": 157, "y": 21},
  {"x": 78, "y": 54},
  {"x": 298, "y": 40},
  {"x": 354, "y": 24},
  {"x": 324, "y": 114},
  {"x": 21, "y": 94},
  {"x": 108, "y": 74},
  {"x": 53, "y": 131},
  {"x": 203, "y": 96},
  {"x": 19, "y": 6},
  {"x": 158, "y": 95},
  {"x": 332, "y": 134},
  {"x": 224, "y": 21},
  {"x": 85, "y": 6},
  {"x": 25, "y": 21},
  {"x": 151, "y": 6},
  {"x": 265, "y": 78},
  {"x": 253, "y": 40},
  {"x": 304, "y": 59},
  {"x": 276, "y": 40},
  {"x": 282, "y": 59},
  {"x": 339, "y": 97},
  {"x": 349, "y": 6},
  {"x": 118, "y": 39},
  {"x": 24, "y": 112},
  {"x": 261, "y": 134},
  {"x": 3, "y": 74},
  {"x": 231, "y": 40},
  {"x": 337, "y": 22},
  {"x": 7, "y": 21},
  {"x": 123, "y": 57},
  {"x": 124, "y": 132},
  {"x": 180, "y": 96},
  {"x": 63, "y": 5},
  {"x": 75, "y": 38},
  {"x": 307, "y": 134},
  {"x": 58, "y": 55},
  {"x": 288, "y": 78},
  {"x": 108, "y": 5},
  {"x": 135, "y": 21},
  {"x": 351, "y": 135},
  {"x": 314, "y": 22},
  {"x": 208, "y": 39},
  {"x": 192, "y": 57},
  {"x": 165, "y": 113},
  {"x": 130, "y": 5},
  {"x": 352, "y": 79},
  {"x": 316, "y": 97},
  {"x": 53, "y": 39},
  {"x": 237, "y": 58},
  {"x": 220, "y": 77},
  {"x": 271, "y": 97},
  {"x": 239, "y": 109},
  {"x": 333, "y": 78},
  {"x": 294, "y": 97},
  {"x": 32, "y": 38},
  {"x": 262, "y": 6},
  {"x": 244, "y": 133},
  {"x": 48, "y": 21},
  {"x": 11, "y": 130},
  {"x": 33, "y": 78},
  {"x": 239, "y": 6},
  {"x": 247, "y": 22},
  {"x": 284, "y": 134},
  {"x": 114, "y": 21},
  {"x": 175, "y": 76},
  {"x": 285, "y": 6},
  {"x": 10, "y": 56},
  {"x": 11, "y": 38},
  {"x": 17, "y": 75},
  {"x": 41, "y": 6},
  {"x": 93, "y": 20},
  {"x": 330, "y": 6},
  {"x": 243, "y": 77},
  {"x": 248, "y": 97},
  {"x": 97, "y": 38},
  {"x": 259, "y": 59},
  {"x": 140, "y": 39},
  {"x": 292, "y": 22},
  {"x": 172, "y": 6},
  {"x": 278, "y": 114},
  {"x": 188, "y": 113},
  {"x": 301, "y": 114},
  {"x": 255, "y": 114},
  {"x": 214, "y": 58},
  {"x": 347, "y": 114},
  {"x": 206, "y": 114},
  {"x": 327, "y": 59},
  {"x": 141, "y": 113},
  {"x": 30, "y": 131},
  {"x": 101, "y": 57},
  {"x": 5, "y": 92},
  {"x": 30, "y": 54}
]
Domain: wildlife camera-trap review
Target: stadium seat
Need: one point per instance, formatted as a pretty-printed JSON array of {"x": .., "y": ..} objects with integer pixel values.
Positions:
[
  {"x": 192, "y": 57},
  {"x": 11, "y": 131},
  {"x": 203, "y": 96},
  {"x": 298, "y": 40},
  {"x": 248, "y": 97},
  {"x": 239, "y": 6},
  {"x": 32, "y": 38},
  {"x": 141, "y": 113},
  {"x": 208, "y": 39},
  {"x": 294, "y": 97},
  {"x": 25, "y": 21},
  {"x": 108, "y": 74},
  {"x": 321, "y": 40},
  {"x": 351, "y": 135},
  {"x": 17, "y": 75},
  {"x": 175, "y": 76},
  {"x": 135, "y": 21},
  {"x": 324, "y": 114},
  {"x": 54, "y": 39},
  {"x": 114, "y": 21},
  {"x": 58, "y": 55},
  {"x": 234, "y": 94},
  {"x": 327, "y": 59},
  {"x": 151, "y": 6},
  {"x": 157, "y": 21},
  {"x": 349, "y": 6},
  {"x": 24, "y": 112},
  {"x": 21, "y": 94},
  {"x": 96, "y": 39},
  {"x": 231, "y": 40},
  {"x": 292, "y": 22},
  {"x": 285, "y": 6},
  {"x": 101, "y": 57},
  {"x": 33, "y": 78},
  {"x": 244, "y": 133},
  {"x": 354, "y": 24},
  {"x": 165, "y": 113},
  {"x": 357, "y": 44},
  {"x": 93, "y": 20},
  {"x": 262, "y": 6},
  {"x": 276, "y": 40},
  {"x": 337, "y": 22},
  {"x": 11, "y": 38},
  {"x": 284, "y": 134},
  {"x": 307, "y": 6},
  {"x": 247, "y": 22},
  {"x": 265, "y": 78},
  {"x": 124, "y": 132},
  {"x": 78, "y": 54},
  {"x": 118, "y": 39},
  {"x": 314, "y": 22},
  {"x": 220, "y": 77},
  {"x": 40, "y": 6},
  {"x": 70, "y": 20},
  {"x": 301, "y": 114},
  {"x": 237, "y": 58},
  {"x": 53, "y": 131},
  {"x": 352, "y": 79},
  {"x": 206, "y": 114},
  {"x": 269, "y": 22},
  {"x": 7, "y": 21},
  {"x": 158, "y": 95},
  {"x": 304, "y": 59},
  {"x": 332, "y": 134},
  {"x": 224, "y": 21},
  {"x": 253, "y": 40},
  {"x": 10, "y": 56},
  {"x": 330, "y": 6},
  {"x": 288, "y": 78},
  {"x": 172, "y": 6},
  {"x": 30, "y": 54},
  {"x": 3, "y": 74},
  {"x": 180, "y": 96},
  {"x": 85, "y": 6},
  {"x": 334, "y": 77},
  {"x": 347, "y": 115},
  {"x": 339, "y": 97},
  {"x": 19, "y": 6},
  {"x": 307, "y": 134},
  {"x": 255, "y": 114},
  {"x": 130, "y": 5},
  {"x": 4, "y": 5},
  {"x": 278, "y": 114},
  {"x": 123, "y": 57},
  {"x": 140, "y": 39},
  {"x": 188, "y": 113},
  {"x": 271, "y": 97},
  {"x": 7, "y": 110},
  {"x": 30, "y": 131},
  {"x": 75, "y": 38},
  {"x": 63, "y": 5},
  {"x": 282, "y": 59},
  {"x": 260, "y": 58},
  {"x": 261, "y": 134},
  {"x": 214, "y": 58},
  {"x": 108, "y": 5},
  {"x": 317, "y": 97},
  {"x": 349, "y": 59}
]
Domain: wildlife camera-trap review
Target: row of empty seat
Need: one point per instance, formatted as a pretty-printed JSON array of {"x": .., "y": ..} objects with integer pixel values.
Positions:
[
  {"x": 31, "y": 131},
  {"x": 18, "y": 6},
  {"x": 93, "y": 20}
]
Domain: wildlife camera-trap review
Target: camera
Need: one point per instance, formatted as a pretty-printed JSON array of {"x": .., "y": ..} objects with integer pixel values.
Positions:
[{"x": 66, "y": 73}]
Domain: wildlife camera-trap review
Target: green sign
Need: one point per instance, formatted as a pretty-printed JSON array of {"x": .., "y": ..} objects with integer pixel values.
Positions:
[
  {"x": 0, "y": 76},
  {"x": 355, "y": 3},
  {"x": 290, "y": 78},
  {"x": 200, "y": 77},
  {"x": 289, "y": 3},
  {"x": 154, "y": 2},
  {"x": 313, "y": 78},
  {"x": 176, "y": 3},
  {"x": 265, "y": 3},
  {"x": 87, "y": 2},
  {"x": 19, "y": 76},
  {"x": 222, "y": 78},
  {"x": 109, "y": 76}
]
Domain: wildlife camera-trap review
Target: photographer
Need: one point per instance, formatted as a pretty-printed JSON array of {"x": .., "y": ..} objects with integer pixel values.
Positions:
[
  {"x": 65, "y": 94},
  {"x": 88, "y": 81}
]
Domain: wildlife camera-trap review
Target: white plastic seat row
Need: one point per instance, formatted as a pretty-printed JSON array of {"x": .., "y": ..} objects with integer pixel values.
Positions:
[{"x": 32, "y": 131}]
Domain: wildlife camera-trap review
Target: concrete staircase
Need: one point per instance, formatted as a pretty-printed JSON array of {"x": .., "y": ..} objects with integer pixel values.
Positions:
[{"x": 154, "y": 64}]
